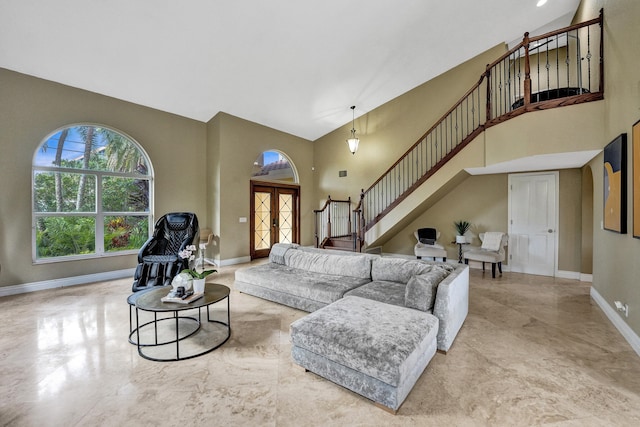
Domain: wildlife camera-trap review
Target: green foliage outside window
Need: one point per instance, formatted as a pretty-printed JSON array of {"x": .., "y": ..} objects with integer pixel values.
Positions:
[
  {"x": 89, "y": 178},
  {"x": 122, "y": 233},
  {"x": 60, "y": 236}
]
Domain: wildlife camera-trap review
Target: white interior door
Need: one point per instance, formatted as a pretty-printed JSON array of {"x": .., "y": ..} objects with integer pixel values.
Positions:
[{"x": 533, "y": 219}]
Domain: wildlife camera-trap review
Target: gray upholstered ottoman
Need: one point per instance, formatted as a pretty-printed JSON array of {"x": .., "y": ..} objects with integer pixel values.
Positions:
[{"x": 375, "y": 349}]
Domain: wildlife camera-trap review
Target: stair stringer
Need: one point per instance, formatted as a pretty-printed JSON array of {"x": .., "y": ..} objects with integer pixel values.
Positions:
[{"x": 446, "y": 178}]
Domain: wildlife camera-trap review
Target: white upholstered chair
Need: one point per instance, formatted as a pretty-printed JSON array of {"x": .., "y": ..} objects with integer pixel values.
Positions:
[
  {"x": 428, "y": 245},
  {"x": 492, "y": 250}
]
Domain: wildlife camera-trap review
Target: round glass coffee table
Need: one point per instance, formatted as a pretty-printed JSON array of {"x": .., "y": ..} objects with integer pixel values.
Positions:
[{"x": 185, "y": 330}]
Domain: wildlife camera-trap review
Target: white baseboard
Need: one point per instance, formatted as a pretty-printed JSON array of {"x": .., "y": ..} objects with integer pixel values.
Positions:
[
  {"x": 586, "y": 277},
  {"x": 89, "y": 278},
  {"x": 562, "y": 274},
  {"x": 232, "y": 261},
  {"x": 66, "y": 281},
  {"x": 632, "y": 338},
  {"x": 574, "y": 275}
]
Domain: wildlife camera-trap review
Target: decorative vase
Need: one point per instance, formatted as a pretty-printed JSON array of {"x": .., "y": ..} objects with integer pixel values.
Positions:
[
  {"x": 182, "y": 279},
  {"x": 461, "y": 239},
  {"x": 198, "y": 286}
]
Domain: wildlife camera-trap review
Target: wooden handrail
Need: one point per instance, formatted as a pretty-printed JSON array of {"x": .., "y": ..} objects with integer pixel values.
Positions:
[{"x": 431, "y": 129}]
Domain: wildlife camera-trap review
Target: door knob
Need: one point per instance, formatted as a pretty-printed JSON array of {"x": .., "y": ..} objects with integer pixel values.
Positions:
[{"x": 550, "y": 231}]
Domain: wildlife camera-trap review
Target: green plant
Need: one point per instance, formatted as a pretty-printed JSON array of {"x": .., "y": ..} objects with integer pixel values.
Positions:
[
  {"x": 462, "y": 227},
  {"x": 187, "y": 254}
]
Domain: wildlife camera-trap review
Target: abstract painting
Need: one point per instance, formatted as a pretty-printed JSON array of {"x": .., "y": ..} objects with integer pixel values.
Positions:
[{"x": 615, "y": 185}]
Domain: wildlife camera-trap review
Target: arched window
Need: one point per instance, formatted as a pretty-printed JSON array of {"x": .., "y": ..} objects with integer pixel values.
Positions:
[
  {"x": 274, "y": 166},
  {"x": 92, "y": 192}
]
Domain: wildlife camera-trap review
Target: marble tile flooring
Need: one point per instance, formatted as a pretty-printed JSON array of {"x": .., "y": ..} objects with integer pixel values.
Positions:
[{"x": 533, "y": 351}]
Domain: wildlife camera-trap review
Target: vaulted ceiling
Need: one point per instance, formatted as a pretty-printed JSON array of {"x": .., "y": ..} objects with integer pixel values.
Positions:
[{"x": 296, "y": 66}]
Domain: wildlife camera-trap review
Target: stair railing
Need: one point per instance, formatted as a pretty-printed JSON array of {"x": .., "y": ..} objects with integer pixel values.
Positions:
[
  {"x": 332, "y": 220},
  {"x": 568, "y": 68}
]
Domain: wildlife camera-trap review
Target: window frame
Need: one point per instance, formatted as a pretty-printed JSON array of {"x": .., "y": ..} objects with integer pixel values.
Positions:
[{"x": 98, "y": 213}]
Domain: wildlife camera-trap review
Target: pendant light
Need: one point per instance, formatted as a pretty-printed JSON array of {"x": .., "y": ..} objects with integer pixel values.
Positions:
[{"x": 353, "y": 141}]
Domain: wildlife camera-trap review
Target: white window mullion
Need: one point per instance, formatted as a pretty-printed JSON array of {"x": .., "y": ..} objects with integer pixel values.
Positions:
[{"x": 99, "y": 216}]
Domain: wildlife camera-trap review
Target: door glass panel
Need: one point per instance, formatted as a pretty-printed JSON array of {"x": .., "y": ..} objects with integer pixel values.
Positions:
[
  {"x": 285, "y": 219},
  {"x": 262, "y": 238}
]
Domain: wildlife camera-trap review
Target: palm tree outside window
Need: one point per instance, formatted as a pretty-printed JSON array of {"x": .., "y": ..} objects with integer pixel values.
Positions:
[{"x": 92, "y": 192}]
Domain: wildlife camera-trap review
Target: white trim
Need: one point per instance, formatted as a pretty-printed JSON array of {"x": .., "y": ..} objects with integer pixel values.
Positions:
[
  {"x": 563, "y": 274},
  {"x": 586, "y": 277},
  {"x": 632, "y": 338},
  {"x": 66, "y": 281},
  {"x": 232, "y": 261}
]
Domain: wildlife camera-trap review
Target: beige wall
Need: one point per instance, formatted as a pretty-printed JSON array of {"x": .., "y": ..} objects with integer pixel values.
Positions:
[
  {"x": 197, "y": 167},
  {"x": 570, "y": 220},
  {"x": 388, "y": 131},
  {"x": 483, "y": 201},
  {"x": 615, "y": 256},
  {"x": 237, "y": 143},
  {"x": 30, "y": 109}
]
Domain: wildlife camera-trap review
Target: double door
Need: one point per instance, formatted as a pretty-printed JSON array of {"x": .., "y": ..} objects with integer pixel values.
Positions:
[{"x": 275, "y": 216}]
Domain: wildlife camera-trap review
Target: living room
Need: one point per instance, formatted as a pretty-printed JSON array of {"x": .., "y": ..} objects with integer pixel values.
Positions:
[{"x": 197, "y": 167}]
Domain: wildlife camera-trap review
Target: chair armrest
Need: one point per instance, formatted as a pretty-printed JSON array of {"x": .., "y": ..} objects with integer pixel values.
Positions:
[{"x": 147, "y": 248}]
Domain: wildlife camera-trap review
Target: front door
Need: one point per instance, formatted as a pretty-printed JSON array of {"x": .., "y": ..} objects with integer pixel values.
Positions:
[
  {"x": 533, "y": 223},
  {"x": 275, "y": 216}
]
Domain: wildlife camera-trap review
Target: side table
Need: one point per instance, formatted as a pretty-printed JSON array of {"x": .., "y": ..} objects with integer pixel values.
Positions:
[{"x": 460, "y": 251}]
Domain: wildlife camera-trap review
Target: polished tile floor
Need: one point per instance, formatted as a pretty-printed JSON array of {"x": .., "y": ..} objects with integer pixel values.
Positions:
[{"x": 533, "y": 351}]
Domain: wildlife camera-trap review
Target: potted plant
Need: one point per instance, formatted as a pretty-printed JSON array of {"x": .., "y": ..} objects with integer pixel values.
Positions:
[
  {"x": 198, "y": 278},
  {"x": 461, "y": 228}
]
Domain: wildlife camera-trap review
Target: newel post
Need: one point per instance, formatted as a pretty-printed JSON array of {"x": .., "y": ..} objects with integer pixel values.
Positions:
[
  {"x": 527, "y": 70},
  {"x": 601, "y": 88},
  {"x": 362, "y": 224},
  {"x": 329, "y": 217}
]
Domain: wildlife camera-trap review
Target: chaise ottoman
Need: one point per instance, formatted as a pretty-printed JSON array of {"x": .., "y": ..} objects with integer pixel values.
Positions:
[{"x": 375, "y": 349}]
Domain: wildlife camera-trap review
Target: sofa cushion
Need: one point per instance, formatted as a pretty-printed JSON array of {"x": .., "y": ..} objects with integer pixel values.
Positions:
[
  {"x": 379, "y": 340},
  {"x": 421, "y": 289},
  {"x": 325, "y": 288},
  {"x": 344, "y": 266},
  {"x": 383, "y": 291},
  {"x": 397, "y": 269}
]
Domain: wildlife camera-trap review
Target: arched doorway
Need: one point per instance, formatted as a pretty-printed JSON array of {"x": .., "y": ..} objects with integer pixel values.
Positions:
[{"x": 275, "y": 203}]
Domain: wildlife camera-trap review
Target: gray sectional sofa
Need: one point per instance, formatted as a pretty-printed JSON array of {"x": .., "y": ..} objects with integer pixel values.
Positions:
[
  {"x": 376, "y": 321},
  {"x": 309, "y": 279}
]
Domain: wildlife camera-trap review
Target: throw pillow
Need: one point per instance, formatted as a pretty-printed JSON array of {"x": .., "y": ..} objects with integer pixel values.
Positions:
[
  {"x": 399, "y": 270},
  {"x": 421, "y": 289}
]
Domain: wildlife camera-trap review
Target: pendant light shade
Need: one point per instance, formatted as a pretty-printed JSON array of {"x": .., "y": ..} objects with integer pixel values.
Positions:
[{"x": 353, "y": 141}]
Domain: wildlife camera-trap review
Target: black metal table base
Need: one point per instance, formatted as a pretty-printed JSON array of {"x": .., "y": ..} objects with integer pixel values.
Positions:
[{"x": 178, "y": 338}]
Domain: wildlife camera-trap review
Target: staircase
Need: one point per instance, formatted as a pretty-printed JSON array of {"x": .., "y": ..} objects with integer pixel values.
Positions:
[
  {"x": 333, "y": 226},
  {"x": 556, "y": 69}
]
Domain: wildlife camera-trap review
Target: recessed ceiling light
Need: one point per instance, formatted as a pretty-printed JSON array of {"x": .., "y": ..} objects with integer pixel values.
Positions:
[{"x": 541, "y": 3}]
